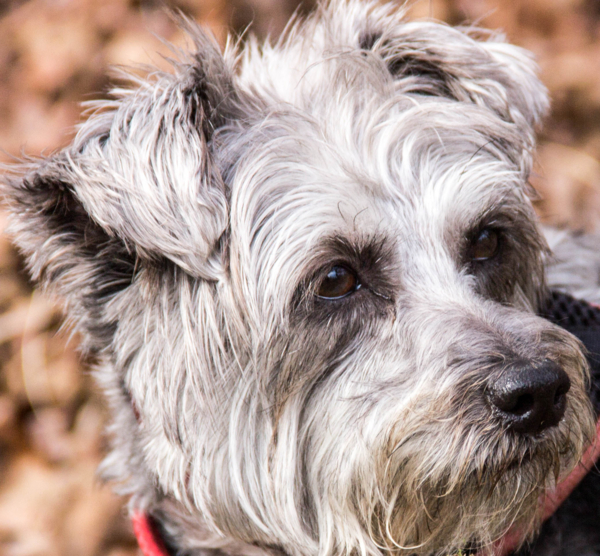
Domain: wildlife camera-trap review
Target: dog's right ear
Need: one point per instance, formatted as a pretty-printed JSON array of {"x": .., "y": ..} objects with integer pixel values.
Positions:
[{"x": 138, "y": 185}]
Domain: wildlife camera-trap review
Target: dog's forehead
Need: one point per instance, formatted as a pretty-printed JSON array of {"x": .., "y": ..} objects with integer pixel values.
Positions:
[
  {"x": 346, "y": 135},
  {"x": 392, "y": 166},
  {"x": 398, "y": 175}
]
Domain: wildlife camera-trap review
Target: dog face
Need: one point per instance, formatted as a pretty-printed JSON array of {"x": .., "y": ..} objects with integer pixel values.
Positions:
[{"x": 309, "y": 273}]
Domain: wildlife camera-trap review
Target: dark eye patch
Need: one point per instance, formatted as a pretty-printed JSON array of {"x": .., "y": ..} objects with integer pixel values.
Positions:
[
  {"x": 348, "y": 277},
  {"x": 503, "y": 252}
]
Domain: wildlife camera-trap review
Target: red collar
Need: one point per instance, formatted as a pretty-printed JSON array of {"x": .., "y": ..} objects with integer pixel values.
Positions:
[
  {"x": 148, "y": 536},
  {"x": 151, "y": 544}
]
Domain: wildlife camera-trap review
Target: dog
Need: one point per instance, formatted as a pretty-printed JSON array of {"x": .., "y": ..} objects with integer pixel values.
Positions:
[{"x": 313, "y": 282}]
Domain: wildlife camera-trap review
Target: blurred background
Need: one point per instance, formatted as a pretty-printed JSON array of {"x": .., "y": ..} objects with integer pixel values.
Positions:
[{"x": 55, "y": 54}]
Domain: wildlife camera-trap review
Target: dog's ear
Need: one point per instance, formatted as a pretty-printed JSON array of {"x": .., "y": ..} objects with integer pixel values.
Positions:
[
  {"x": 467, "y": 65},
  {"x": 137, "y": 186},
  {"x": 141, "y": 170}
]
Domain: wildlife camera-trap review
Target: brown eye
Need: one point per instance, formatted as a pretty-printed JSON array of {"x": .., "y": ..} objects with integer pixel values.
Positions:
[
  {"x": 485, "y": 245},
  {"x": 339, "y": 282}
]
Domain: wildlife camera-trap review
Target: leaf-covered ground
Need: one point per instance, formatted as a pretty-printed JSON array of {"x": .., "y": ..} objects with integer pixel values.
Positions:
[{"x": 55, "y": 54}]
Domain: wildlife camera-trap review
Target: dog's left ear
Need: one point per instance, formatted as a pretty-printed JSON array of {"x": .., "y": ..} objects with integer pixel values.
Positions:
[
  {"x": 140, "y": 171},
  {"x": 512, "y": 88},
  {"x": 466, "y": 65}
]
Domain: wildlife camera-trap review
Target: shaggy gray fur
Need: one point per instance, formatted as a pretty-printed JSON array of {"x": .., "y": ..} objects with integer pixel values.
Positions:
[
  {"x": 190, "y": 226},
  {"x": 575, "y": 263}
]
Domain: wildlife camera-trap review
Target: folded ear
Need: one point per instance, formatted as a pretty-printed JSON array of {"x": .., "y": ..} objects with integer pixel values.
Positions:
[
  {"x": 466, "y": 65},
  {"x": 141, "y": 168},
  {"x": 146, "y": 173},
  {"x": 518, "y": 90},
  {"x": 66, "y": 250},
  {"x": 138, "y": 185}
]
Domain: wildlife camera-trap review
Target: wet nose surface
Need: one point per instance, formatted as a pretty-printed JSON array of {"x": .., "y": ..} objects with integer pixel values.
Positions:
[{"x": 530, "y": 398}]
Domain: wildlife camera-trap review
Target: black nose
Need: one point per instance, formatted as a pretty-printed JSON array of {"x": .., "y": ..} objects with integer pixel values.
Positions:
[{"x": 531, "y": 398}]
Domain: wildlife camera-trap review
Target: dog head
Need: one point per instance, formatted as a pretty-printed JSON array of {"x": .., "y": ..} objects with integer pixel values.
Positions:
[{"x": 309, "y": 273}]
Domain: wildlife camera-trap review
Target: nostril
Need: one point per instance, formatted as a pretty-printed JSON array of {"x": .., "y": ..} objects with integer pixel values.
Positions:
[{"x": 522, "y": 405}]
